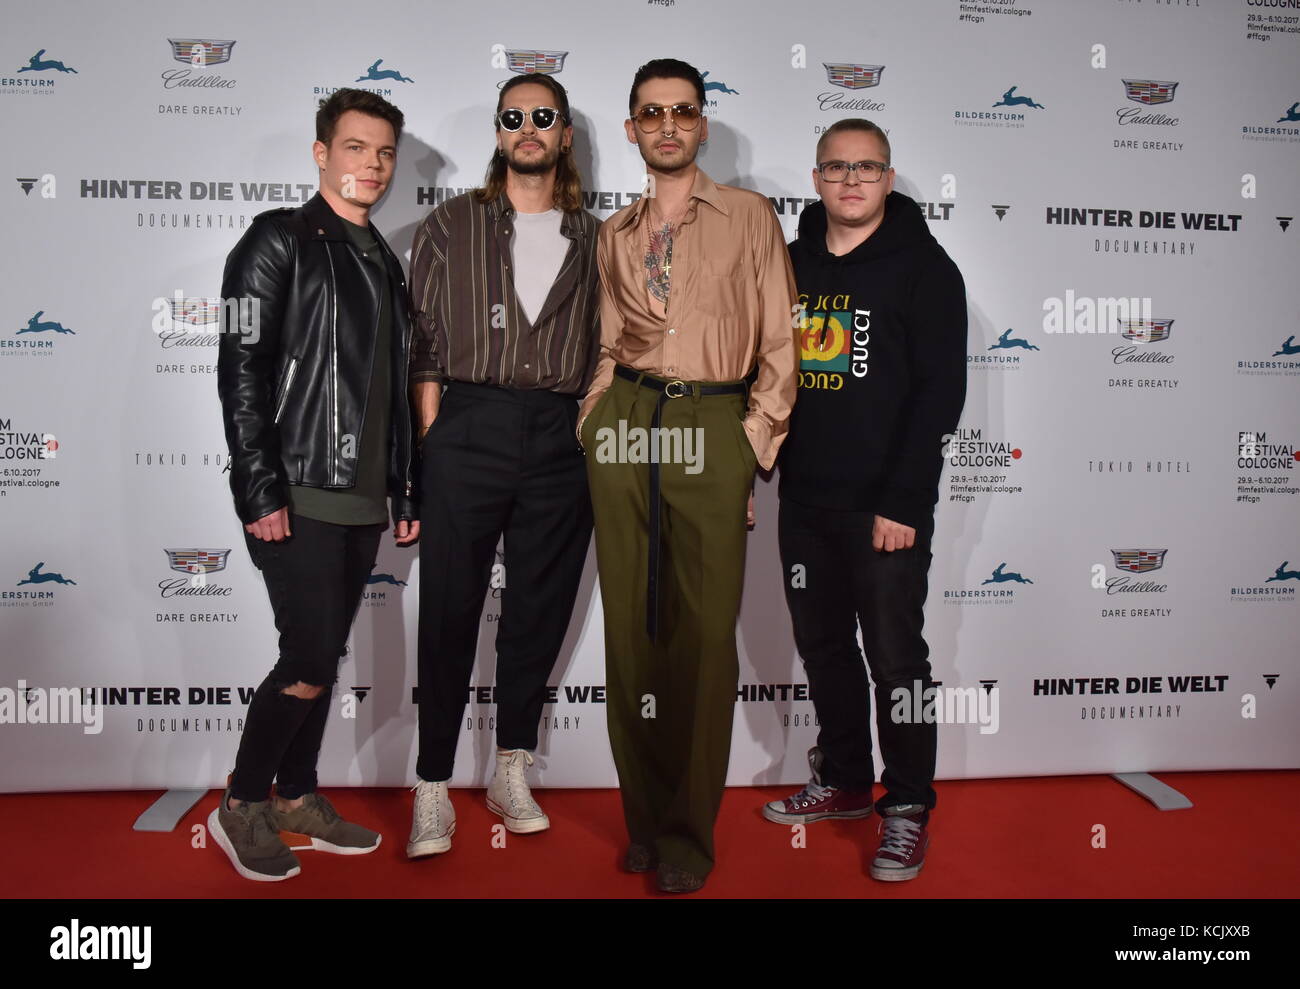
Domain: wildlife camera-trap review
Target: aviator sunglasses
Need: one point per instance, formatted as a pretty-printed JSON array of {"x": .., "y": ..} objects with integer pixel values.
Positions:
[{"x": 651, "y": 117}]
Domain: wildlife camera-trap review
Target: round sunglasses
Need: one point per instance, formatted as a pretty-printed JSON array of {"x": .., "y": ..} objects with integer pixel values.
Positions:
[{"x": 512, "y": 118}]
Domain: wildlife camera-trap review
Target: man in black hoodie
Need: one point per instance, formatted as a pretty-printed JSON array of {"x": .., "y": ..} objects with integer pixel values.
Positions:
[{"x": 882, "y": 379}]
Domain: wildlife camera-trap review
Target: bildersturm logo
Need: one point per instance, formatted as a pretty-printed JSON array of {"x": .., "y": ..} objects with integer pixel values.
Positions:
[
  {"x": 1285, "y": 581},
  {"x": 998, "y": 588},
  {"x": 41, "y": 81},
  {"x": 1013, "y": 116}
]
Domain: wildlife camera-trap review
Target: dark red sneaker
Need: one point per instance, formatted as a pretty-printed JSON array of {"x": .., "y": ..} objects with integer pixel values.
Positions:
[
  {"x": 903, "y": 841},
  {"x": 815, "y": 803}
]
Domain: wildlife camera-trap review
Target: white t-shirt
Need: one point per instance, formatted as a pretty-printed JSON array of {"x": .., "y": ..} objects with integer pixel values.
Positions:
[{"x": 538, "y": 249}]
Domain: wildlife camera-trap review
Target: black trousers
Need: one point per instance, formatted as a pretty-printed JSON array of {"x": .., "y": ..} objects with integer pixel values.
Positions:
[
  {"x": 844, "y": 584},
  {"x": 314, "y": 579},
  {"x": 496, "y": 462}
]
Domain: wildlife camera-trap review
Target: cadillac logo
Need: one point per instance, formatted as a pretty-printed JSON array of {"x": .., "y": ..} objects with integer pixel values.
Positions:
[
  {"x": 1149, "y": 92},
  {"x": 194, "y": 312},
  {"x": 528, "y": 61},
  {"x": 852, "y": 75},
  {"x": 197, "y": 560},
  {"x": 200, "y": 51},
  {"x": 1139, "y": 560},
  {"x": 1145, "y": 330}
]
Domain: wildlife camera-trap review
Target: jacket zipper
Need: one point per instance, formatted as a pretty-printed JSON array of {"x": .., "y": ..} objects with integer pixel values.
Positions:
[
  {"x": 283, "y": 399},
  {"x": 334, "y": 370},
  {"x": 410, "y": 443}
]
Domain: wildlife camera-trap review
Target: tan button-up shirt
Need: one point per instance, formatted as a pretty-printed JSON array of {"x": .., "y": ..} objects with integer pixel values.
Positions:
[{"x": 731, "y": 304}]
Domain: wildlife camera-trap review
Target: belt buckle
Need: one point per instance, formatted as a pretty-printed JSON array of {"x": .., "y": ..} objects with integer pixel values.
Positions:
[{"x": 680, "y": 384}]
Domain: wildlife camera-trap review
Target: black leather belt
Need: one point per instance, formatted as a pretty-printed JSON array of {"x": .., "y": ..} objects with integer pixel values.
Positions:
[{"x": 675, "y": 388}]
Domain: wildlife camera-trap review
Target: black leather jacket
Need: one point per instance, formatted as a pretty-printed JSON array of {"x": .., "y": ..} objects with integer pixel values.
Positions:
[{"x": 296, "y": 385}]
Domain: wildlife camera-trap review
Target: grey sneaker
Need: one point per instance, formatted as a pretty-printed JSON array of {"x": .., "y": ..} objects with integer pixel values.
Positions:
[
  {"x": 509, "y": 796},
  {"x": 903, "y": 843},
  {"x": 433, "y": 822},
  {"x": 318, "y": 821},
  {"x": 251, "y": 841}
]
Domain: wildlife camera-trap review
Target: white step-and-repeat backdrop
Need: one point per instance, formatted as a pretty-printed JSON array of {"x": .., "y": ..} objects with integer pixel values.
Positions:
[{"x": 1118, "y": 549}]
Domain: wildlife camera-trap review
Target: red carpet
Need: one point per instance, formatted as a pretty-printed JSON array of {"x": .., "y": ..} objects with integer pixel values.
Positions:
[{"x": 989, "y": 839}]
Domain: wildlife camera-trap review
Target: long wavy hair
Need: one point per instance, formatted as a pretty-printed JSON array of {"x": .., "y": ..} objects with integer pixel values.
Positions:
[{"x": 568, "y": 183}]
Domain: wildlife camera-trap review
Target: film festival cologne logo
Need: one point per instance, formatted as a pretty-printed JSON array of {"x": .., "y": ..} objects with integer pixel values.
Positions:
[
  {"x": 29, "y": 460},
  {"x": 40, "y": 75},
  {"x": 992, "y": 10},
  {"x": 40, "y": 335},
  {"x": 982, "y": 464},
  {"x": 198, "y": 80},
  {"x": 1266, "y": 467}
]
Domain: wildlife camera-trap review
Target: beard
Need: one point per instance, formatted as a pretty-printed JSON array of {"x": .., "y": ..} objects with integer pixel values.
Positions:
[
  {"x": 533, "y": 166},
  {"x": 672, "y": 161}
]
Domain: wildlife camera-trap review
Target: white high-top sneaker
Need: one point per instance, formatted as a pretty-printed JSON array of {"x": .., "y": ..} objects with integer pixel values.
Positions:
[
  {"x": 509, "y": 796},
  {"x": 433, "y": 823}
]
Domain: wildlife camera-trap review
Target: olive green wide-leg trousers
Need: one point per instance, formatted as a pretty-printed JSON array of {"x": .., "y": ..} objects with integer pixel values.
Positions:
[{"x": 671, "y": 700}]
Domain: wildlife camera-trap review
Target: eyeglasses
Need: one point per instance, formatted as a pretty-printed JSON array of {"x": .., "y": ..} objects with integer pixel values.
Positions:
[
  {"x": 838, "y": 171},
  {"x": 543, "y": 117},
  {"x": 651, "y": 117}
]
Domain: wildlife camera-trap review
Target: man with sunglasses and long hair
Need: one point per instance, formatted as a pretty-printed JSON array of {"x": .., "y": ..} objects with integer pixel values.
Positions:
[
  {"x": 503, "y": 281},
  {"x": 697, "y": 353}
]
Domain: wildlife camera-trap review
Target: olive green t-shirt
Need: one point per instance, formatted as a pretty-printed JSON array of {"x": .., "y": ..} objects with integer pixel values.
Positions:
[{"x": 367, "y": 502}]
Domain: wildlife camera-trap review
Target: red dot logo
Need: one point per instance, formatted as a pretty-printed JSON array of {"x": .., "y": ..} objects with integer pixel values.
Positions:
[
  {"x": 1015, "y": 454},
  {"x": 51, "y": 445},
  {"x": 1296, "y": 455}
]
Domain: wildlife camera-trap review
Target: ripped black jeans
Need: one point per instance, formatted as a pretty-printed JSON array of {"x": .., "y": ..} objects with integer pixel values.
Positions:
[{"x": 314, "y": 579}]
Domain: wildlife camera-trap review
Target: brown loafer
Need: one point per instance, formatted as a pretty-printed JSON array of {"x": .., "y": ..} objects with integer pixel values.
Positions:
[
  {"x": 639, "y": 858},
  {"x": 671, "y": 879}
]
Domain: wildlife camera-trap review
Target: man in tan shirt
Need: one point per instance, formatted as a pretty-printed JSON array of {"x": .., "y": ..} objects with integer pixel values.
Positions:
[{"x": 693, "y": 390}]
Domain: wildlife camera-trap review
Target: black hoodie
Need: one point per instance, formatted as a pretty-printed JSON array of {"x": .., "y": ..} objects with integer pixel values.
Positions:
[{"x": 882, "y": 368}]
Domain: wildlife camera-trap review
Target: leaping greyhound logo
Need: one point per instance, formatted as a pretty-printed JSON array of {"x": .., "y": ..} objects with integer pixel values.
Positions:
[
  {"x": 1008, "y": 342},
  {"x": 1289, "y": 347},
  {"x": 375, "y": 72},
  {"x": 1000, "y": 577},
  {"x": 1292, "y": 115},
  {"x": 34, "y": 576},
  {"x": 34, "y": 325},
  {"x": 1009, "y": 98},
  {"x": 38, "y": 64},
  {"x": 383, "y": 578},
  {"x": 1282, "y": 573},
  {"x": 720, "y": 87}
]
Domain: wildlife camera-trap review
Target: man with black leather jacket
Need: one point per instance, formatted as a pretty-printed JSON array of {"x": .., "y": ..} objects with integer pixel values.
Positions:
[{"x": 311, "y": 373}]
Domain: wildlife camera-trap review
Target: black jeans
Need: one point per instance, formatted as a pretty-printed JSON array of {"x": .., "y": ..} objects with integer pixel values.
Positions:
[
  {"x": 845, "y": 583},
  {"x": 497, "y": 462},
  {"x": 314, "y": 579}
]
